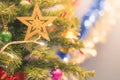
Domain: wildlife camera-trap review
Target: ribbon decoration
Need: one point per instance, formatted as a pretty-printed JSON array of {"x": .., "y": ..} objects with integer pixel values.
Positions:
[
  {"x": 89, "y": 19},
  {"x": 17, "y": 76}
]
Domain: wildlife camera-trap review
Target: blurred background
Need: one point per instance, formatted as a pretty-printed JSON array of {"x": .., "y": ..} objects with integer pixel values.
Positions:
[{"x": 106, "y": 63}]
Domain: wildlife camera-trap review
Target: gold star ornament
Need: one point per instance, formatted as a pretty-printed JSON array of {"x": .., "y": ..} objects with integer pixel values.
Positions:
[{"x": 36, "y": 24}]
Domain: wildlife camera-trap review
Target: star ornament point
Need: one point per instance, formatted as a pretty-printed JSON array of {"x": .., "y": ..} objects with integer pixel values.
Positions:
[{"x": 36, "y": 24}]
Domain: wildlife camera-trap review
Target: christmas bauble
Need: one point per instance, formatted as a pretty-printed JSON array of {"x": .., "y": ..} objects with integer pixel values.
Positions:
[
  {"x": 5, "y": 36},
  {"x": 56, "y": 74},
  {"x": 3, "y": 74},
  {"x": 64, "y": 50},
  {"x": 70, "y": 34}
]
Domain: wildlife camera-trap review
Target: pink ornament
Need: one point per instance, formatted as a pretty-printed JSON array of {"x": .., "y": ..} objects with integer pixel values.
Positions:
[{"x": 56, "y": 74}]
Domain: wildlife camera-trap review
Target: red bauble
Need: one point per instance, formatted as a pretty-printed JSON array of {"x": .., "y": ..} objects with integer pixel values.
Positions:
[{"x": 3, "y": 74}]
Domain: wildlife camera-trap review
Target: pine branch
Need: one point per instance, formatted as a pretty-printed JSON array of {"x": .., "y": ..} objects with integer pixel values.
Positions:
[
  {"x": 10, "y": 61},
  {"x": 8, "y": 11},
  {"x": 40, "y": 69}
]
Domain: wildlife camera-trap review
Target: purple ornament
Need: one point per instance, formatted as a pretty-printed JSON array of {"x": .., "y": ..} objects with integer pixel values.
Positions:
[{"x": 56, "y": 74}]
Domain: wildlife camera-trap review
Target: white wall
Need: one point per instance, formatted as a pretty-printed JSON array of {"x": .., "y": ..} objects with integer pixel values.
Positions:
[{"x": 107, "y": 62}]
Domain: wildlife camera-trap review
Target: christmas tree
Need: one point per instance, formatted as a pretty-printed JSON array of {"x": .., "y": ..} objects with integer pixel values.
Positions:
[{"x": 32, "y": 33}]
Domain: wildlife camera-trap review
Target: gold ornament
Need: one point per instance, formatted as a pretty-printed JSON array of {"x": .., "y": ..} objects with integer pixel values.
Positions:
[
  {"x": 67, "y": 50},
  {"x": 64, "y": 50},
  {"x": 36, "y": 24},
  {"x": 70, "y": 34},
  {"x": 71, "y": 50}
]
